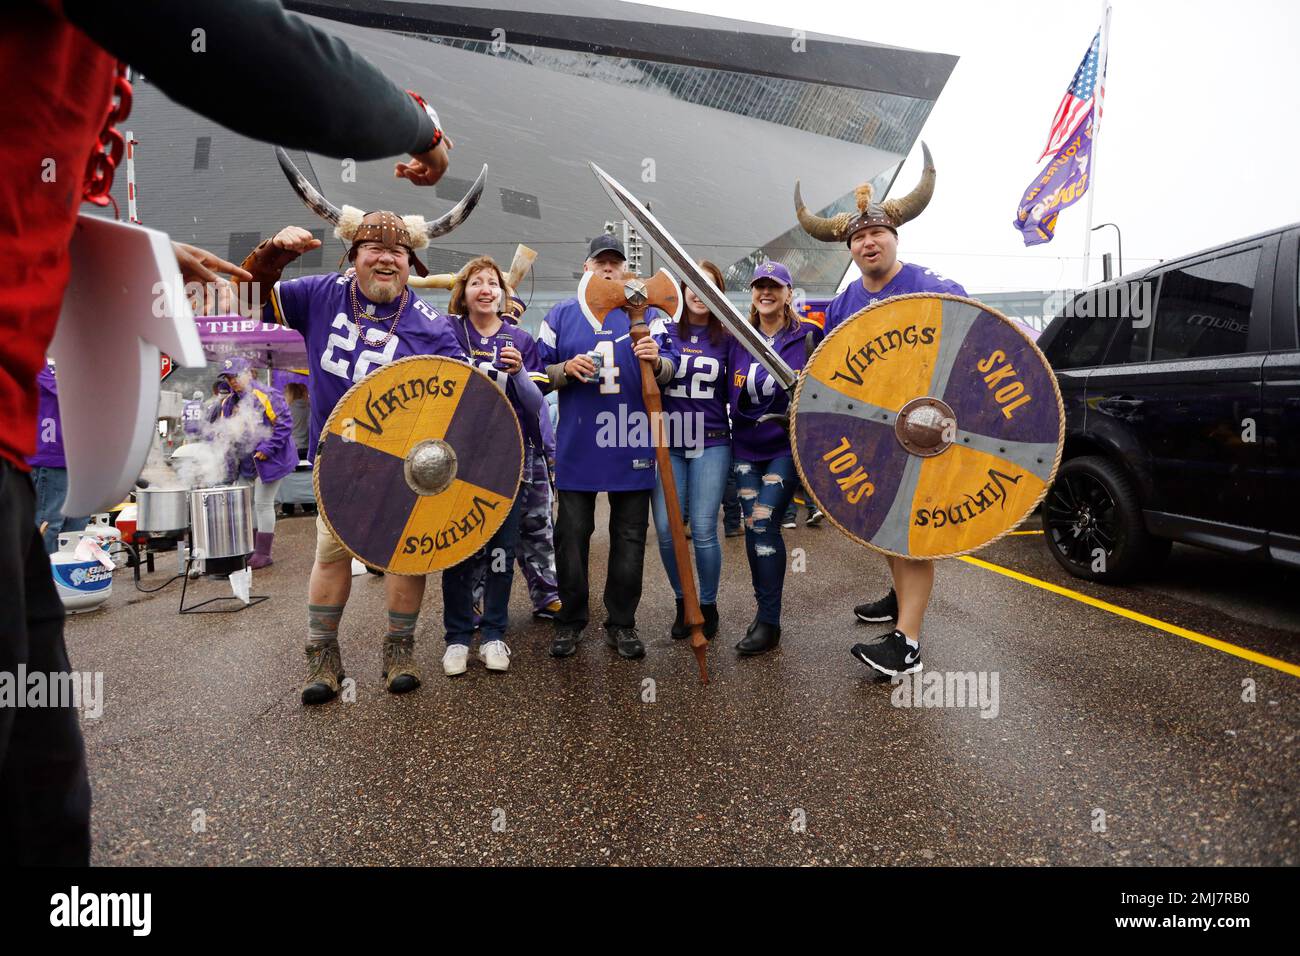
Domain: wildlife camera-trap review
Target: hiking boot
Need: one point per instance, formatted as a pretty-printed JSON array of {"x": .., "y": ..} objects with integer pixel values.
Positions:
[
  {"x": 324, "y": 672},
  {"x": 401, "y": 673}
]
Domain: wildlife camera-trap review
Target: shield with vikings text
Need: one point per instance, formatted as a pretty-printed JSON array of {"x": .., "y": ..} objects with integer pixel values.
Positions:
[
  {"x": 927, "y": 426},
  {"x": 418, "y": 465}
]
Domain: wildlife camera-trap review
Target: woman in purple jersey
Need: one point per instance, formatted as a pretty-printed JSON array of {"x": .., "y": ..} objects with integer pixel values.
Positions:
[
  {"x": 762, "y": 460},
  {"x": 508, "y": 355},
  {"x": 695, "y": 414}
]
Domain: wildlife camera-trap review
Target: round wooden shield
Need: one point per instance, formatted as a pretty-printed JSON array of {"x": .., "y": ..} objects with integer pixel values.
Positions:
[
  {"x": 927, "y": 426},
  {"x": 418, "y": 465}
]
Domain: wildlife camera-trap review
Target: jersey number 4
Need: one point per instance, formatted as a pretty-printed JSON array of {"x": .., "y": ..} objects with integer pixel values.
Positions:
[{"x": 337, "y": 355}]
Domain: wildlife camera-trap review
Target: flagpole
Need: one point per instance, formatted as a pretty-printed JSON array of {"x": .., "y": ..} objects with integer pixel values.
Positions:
[{"x": 1097, "y": 103}]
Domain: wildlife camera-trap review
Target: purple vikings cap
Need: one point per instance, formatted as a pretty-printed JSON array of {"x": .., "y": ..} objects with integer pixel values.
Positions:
[
  {"x": 774, "y": 271},
  {"x": 234, "y": 366}
]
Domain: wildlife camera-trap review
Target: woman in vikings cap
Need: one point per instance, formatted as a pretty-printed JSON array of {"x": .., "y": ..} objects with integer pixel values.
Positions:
[
  {"x": 872, "y": 238},
  {"x": 762, "y": 460},
  {"x": 353, "y": 324},
  {"x": 261, "y": 445},
  {"x": 508, "y": 355}
]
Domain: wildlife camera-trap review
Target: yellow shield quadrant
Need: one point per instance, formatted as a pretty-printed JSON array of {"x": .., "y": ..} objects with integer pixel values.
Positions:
[
  {"x": 418, "y": 465},
  {"x": 927, "y": 426}
]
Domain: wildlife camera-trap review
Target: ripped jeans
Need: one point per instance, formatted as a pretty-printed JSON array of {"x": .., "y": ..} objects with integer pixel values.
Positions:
[{"x": 765, "y": 489}]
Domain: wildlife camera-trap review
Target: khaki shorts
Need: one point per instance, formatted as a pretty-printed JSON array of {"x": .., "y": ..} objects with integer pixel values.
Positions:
[{"x": 328, "y": 548}]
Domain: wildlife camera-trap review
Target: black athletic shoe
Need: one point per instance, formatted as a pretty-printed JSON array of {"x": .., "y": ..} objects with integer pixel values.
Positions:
[
  {"x": 815, "y": 518},
  {"x": 625, "y": 641},
  {"x": 877, "y": 612},
  {"x": 565, "y": 642},
  {"x": 892, "y": 655}
]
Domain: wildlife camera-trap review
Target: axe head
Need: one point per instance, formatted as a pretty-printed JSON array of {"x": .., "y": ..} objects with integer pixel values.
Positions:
[{"x": 599, "y": 295}]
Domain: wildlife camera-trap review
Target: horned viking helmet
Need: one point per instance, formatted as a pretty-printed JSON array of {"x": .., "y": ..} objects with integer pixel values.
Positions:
[
  {"x": 891, "y": 214},
  {"x": 354, "y": 226}
]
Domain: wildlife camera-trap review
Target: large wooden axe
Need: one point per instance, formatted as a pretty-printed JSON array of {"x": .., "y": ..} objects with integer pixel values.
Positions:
[{"x": 634, "y": 296}]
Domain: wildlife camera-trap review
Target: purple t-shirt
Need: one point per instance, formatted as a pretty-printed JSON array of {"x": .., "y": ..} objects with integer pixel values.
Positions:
[
  {"x": 49, "y": 428},
  {"x": 698, "y": 392},
  {"x": 911, "y": 278},
  {"x": 320, "y": 309},
  {"x": 755, "y": 393},
  {"x": 483, "y": 350}
]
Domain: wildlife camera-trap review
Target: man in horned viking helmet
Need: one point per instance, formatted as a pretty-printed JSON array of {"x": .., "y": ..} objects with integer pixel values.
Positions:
[
  {"x": 354, "y": 323},
  {"x": 872, "y": 238}
]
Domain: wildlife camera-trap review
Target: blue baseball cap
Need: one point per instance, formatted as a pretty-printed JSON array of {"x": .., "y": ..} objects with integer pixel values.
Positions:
[
  {"x": 606, "y": 243},
  {"x": 774, "y": 271}
]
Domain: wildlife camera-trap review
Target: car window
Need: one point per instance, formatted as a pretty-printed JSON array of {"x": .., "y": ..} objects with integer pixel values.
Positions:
[
  {"x": 1081, "y": 343},
  {"x": 1204, "y": 308},
  {"x": 1132, "y": 316}
]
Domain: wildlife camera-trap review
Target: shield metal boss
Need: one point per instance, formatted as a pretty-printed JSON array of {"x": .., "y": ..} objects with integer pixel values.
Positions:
[
  {"x": 418, "y": 465},
  {"x": 927, "y": 426}
]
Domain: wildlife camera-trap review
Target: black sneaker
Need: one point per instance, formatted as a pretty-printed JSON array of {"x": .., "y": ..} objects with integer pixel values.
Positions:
[
  {"x": 625, "y": 641},
  {"x": 565, "y": 642},
  {"x": 815, "y": 518},
  {"x": 892, "y": 655},
  {"x": 877, "y": 612}
]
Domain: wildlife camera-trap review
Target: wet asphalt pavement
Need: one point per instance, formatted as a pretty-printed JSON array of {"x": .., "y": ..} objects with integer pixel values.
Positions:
[{"x": 1109, "y": 741}]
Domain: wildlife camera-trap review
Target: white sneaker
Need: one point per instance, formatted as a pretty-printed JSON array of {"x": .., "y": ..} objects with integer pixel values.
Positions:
[
  {"x": 455, "y": 660},
  {"x": 496, "y": 655}
]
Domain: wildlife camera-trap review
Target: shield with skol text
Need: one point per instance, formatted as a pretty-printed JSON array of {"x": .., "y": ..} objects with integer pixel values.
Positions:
[
  {"x": 418, "y": 465},
  {"x": 927, "y": 426}
]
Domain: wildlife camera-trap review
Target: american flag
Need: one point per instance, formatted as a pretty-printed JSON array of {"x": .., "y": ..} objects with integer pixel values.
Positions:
[{"x": 1078, "y": 99}]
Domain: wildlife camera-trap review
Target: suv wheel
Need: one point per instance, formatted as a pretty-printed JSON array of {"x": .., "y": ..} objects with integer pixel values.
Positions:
[{"x": 1093, "y": 523}]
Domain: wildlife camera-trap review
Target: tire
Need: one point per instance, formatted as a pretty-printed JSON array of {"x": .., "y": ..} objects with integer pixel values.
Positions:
[{"x": 1092, "y": 521}]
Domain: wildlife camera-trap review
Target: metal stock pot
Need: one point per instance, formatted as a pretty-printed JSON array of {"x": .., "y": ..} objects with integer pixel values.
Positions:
[
  {"x": 162, "y": 510},
  {"x": 221, "y": 521}
]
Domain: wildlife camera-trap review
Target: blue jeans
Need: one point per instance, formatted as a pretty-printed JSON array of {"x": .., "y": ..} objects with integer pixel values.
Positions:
[
  {"x": 458, "y": 585},
  {"x": 765, "y": 489},
  {"x": 51, "y": 491},
  {"x": 700, "y": 482},
  {"x": 730, "y": 504}
]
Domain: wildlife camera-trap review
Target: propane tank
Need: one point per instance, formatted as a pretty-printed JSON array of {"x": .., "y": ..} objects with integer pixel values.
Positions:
[
  {"x": 110, "y": 538},
  {"x": 80, "y": 575}
]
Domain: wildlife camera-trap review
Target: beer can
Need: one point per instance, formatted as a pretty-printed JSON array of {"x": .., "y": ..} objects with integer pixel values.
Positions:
[{"x": 597, "y": 360}]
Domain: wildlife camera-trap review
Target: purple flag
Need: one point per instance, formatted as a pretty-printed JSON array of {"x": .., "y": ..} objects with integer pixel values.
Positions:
[{"x": 1062, "y": 183}]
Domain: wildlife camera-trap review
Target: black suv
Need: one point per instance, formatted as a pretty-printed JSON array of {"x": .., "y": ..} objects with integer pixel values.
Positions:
[{"x": 1182, "y": 406}]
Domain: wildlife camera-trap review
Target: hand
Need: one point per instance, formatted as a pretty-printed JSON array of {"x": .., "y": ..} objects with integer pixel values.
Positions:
[
  {"x": 425, "y": 169},
  {"x": 647, "y": 350},
  {"x": 259, "y": 456},
  {"x": 201, "y": 267},
  {"x": 511, "y": 359},
  {"x": 580, "y": 367},
  {"x": 295, "y": 239}
]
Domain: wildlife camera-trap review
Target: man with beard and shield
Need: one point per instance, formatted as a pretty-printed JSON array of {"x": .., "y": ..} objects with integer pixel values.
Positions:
[
  {"x": 872, "y": 238},
  {"x": 354, "y": 323}
]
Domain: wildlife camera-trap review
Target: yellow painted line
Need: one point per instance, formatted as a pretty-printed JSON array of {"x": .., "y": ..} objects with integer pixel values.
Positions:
[{"x": 1245, "y": 654}]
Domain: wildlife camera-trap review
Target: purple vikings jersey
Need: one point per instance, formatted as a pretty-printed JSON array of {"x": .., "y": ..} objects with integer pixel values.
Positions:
[
  {"x": 604, "y": 442},
  {"x": 699, "y": 389},
  {"x": 911, "y": 278},
  {"x": 484, "y": 350},
  {"x": 320, "y": 309},
  {"x": 755, "y": 393}
]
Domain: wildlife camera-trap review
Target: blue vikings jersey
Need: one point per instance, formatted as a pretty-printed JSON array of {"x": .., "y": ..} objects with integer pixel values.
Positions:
[{"x": 605, "y": 440}]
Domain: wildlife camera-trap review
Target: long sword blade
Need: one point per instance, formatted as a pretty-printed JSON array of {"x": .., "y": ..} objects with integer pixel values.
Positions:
[{"x": 654, "y": 233}]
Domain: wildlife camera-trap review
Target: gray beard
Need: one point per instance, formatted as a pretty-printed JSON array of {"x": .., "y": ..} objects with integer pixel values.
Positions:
[{"x": 380, "y": 295}]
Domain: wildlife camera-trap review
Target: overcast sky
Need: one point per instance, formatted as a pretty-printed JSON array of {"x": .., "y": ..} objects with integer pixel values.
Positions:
[{"x": 1198, "y": 144}]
